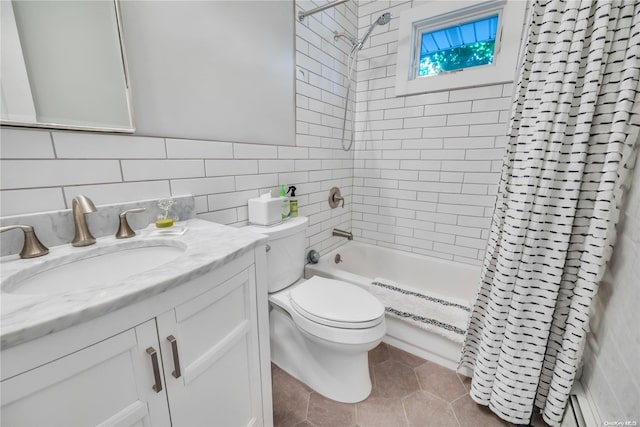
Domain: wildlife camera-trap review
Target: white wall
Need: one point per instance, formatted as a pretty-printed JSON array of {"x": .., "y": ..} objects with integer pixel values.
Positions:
[
  {"x": 220, "y": 70},
  {"x": 44, "y": 170},
  {"x": 426, "y": 166},
  {"x": 611, "y": 369}
]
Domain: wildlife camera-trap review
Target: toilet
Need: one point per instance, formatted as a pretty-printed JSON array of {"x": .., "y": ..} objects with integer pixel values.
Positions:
[{"x": 321, "y": 329}]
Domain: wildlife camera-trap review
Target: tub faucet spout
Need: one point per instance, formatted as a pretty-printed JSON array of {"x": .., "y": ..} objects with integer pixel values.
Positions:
[{"x": 342, "y": 233}]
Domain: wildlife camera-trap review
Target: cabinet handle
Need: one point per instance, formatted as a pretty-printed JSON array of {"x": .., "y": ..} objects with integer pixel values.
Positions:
[
  {"x": 157, "y": 387},
  {"x": 176, "y": 359}
]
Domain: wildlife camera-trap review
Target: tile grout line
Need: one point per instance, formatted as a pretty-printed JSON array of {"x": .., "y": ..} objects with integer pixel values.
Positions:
[
  {"x": 454, "y": 414},
  {"x": 404, "y": 410},
  {"x": 306, "y": 413}
]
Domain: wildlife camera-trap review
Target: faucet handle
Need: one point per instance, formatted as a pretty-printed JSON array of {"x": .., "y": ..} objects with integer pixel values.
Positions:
[
  {"x": 124, "y": 230},
  {"x": 32, "y": 247}
]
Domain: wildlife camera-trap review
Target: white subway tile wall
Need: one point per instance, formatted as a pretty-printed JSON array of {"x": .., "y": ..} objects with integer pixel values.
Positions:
[
  {"x": 26, "y": 144},
  {"x": 43, "y": 170},
  {"x": 76, "y": 146},
  {"x": 426, "y": 166},
  {"x": 611, "y": 369}
]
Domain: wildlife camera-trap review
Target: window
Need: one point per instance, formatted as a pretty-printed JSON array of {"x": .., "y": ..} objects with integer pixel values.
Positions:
[
  {"x": 449, "y": 45},
  {"x": 466, "y": 45}
]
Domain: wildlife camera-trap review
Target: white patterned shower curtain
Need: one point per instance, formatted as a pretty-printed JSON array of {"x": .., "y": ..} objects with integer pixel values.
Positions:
[{"x": 574, "y": 128}]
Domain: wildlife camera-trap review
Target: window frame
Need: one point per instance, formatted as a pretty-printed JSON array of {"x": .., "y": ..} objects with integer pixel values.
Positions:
[{"x": 436, "y": 15}]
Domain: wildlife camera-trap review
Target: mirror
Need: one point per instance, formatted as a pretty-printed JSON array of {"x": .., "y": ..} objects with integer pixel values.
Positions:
[{"x": 63, "y": 66}]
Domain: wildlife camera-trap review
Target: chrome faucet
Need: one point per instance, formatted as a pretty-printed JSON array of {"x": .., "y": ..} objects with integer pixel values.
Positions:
[
  {"x": 342, "y": 233},
  {"x": 80, "y": 206},
  {"x": 31, "y": 247}
]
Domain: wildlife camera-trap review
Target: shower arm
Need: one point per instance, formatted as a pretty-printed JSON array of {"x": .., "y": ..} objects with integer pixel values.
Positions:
[{"x": 302, "y": 15}]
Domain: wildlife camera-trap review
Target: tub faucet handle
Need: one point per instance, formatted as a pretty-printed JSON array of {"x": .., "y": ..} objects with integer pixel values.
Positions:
[{"x": 335, "y": 198}]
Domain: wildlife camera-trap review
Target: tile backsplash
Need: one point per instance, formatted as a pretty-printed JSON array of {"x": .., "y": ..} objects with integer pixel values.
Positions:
[
  {"x": 55, "y": 228},
  {"x": 221, "y": 176}
]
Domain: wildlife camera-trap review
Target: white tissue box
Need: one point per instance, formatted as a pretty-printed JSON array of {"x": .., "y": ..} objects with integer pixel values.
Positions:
[{"x": 265, "y": 210}]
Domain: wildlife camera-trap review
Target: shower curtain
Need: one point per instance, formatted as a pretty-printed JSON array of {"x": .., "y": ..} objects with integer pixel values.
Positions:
[{"x": 572, "y": 142}]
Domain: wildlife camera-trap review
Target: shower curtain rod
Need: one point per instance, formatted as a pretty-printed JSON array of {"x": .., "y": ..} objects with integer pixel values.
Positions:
[{"x": 302, "y": 15}]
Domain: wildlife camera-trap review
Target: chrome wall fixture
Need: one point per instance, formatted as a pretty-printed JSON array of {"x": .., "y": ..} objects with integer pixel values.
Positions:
[
  {"x": 341, "y": 233},
  {"x": 335, "y": 198},
  {"x": 357, "y": 45},
  {"x": 304, "y": 14}
]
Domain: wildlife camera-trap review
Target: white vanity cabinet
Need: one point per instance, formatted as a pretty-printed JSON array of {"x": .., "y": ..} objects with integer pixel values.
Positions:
[
  {"x": 102, "y": 385},
  {"x": 210, "y": 344},
  {"x": 196, "y": 355}
]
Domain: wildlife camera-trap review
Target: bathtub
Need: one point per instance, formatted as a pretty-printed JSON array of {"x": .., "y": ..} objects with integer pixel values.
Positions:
[{"x": 362, "y": 262}]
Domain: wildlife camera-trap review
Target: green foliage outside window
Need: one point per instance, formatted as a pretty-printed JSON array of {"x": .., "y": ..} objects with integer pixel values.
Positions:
[{"x": 457, "y": 58}]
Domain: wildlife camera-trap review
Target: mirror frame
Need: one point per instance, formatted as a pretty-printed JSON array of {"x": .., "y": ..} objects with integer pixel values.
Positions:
[{"x": 127, "y": 80}]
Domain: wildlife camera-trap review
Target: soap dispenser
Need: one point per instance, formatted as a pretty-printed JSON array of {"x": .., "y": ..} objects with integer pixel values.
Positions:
[
  {"x": 286, "y": 209},
  {"x": 293, "y": 202}
]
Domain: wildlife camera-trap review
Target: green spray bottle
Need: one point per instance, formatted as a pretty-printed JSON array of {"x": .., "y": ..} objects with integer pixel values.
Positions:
[
  {"x": 286, "y": 209},
  {"x": 293, "y": 202}
]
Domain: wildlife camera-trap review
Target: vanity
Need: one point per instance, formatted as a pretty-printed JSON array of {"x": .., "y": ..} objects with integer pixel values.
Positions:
[{"x": 156, "y": 330}]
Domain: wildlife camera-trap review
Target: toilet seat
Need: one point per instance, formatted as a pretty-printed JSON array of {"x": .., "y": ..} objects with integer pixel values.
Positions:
[
  {"x": 336, "y": 304},
  {"x": 338, "y": 336},
  {"x": 319, "y": 325}
]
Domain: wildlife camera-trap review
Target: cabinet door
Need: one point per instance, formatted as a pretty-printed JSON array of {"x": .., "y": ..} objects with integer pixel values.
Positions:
[
  {"x": 216, "y": 344},
  {"x": 106, "y": 384}
]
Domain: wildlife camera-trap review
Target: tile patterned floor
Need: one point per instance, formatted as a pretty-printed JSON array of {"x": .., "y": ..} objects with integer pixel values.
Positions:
[{"x": 407, "y": 391}]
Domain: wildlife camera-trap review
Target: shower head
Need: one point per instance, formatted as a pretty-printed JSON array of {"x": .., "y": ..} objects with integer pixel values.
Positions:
[{"x": 383, "y": 19}]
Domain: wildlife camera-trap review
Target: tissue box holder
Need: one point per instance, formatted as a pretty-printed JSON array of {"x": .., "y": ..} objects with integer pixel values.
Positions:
[{"x": 265, "y": 211}]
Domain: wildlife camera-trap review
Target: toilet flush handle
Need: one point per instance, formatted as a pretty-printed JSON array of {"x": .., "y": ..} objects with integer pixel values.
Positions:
[{"x": 267, "y": 248}]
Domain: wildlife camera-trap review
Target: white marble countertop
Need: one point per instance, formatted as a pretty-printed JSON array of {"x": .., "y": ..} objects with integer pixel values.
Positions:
[{"x": 23, "y": 317}]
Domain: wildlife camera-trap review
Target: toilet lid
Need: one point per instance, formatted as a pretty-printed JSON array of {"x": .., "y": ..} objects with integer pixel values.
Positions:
[{"x": 336, "y": 303}]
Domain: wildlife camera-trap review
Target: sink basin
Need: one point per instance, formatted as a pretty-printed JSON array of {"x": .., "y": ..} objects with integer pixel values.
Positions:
[{"x": 93, "y": 271}]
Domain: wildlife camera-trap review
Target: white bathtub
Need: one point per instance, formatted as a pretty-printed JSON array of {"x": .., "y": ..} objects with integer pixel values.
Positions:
[{"x": 362, "y": 262}]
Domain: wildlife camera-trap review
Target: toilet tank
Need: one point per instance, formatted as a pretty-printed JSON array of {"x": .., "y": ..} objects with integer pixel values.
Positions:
[{"x": 285, "y": 255}]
